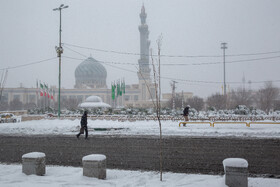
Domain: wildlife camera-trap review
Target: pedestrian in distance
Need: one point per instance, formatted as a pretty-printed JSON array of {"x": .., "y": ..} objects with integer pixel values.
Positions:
[
  {"x": 83, "y": 125},
  {"x": 186, "y": 113}
]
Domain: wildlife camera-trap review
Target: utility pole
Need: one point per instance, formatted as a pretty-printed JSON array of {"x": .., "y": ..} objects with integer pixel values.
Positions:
[
  {"x": 182, "y": 100},
  {"x": 224, "y": 47},
  {"x": 173, "y": 94},
  {"x": 3, "y": 82},
  {"x": 59, "y": 51}
]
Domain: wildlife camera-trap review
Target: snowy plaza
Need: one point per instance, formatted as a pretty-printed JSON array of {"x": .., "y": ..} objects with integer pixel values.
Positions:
[{"x": 11, "y": 174}]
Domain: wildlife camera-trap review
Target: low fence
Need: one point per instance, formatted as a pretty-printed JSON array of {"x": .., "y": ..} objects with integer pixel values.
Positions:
[
  {"x": 132, "y": 118},
  {"x": 212, "y": 124},
  {"x": 177, "y": 118}
]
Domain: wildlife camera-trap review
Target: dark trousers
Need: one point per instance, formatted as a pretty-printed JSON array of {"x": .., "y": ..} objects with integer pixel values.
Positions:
[{"x": 86, "y": 129}]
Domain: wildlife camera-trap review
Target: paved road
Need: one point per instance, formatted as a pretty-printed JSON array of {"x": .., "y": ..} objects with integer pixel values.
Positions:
[{"x": 181, "y": 154}]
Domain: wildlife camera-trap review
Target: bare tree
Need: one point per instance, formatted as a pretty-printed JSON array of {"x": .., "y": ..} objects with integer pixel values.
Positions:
[
  {"x": 16, "y": 104},
  {"x": 276, "y": 105},
  {"x": 217, "y": 100},
  {"x": 267, "y": 96},
  {"x": 3, "y": 82},
  {"x": 4, "y": 105},
  {"x": 70, "y": 103},
  {"x": 159, "y": 42},
  {"x": 157, "y": 102},
  {"x": 196, "y": 102},
  {"x": 177, "y": 100},
  {"x": 241, "y": 97},
  {"x": 29, "y": 106}
]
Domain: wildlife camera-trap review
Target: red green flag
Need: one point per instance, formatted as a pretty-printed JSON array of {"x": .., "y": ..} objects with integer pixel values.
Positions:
[
  {"x": 45, "y": 89},
  {"x": 123, "y": 87},
  {"x": 41, "y": 90},
  {"x": 113, "y": 86}
]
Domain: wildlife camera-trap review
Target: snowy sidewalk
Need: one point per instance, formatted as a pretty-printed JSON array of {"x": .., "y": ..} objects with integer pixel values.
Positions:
[
  {"x": 12, "y": 176},
  {"x": 169, "y": 128}
]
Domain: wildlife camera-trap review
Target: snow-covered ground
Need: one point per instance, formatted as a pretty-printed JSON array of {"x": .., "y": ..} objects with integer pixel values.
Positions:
[
  {"x": 12, "y": 176},
  {"x": 169, "y": 128}
]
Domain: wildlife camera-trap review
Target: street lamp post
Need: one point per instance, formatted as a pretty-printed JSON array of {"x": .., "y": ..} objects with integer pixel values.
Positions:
[{"x": 59, "y": 51}]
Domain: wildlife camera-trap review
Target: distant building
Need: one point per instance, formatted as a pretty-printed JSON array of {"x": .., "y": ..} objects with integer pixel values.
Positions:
[
  {"x": 186, "y": 95},
  {"x": 90, "y": 80}
]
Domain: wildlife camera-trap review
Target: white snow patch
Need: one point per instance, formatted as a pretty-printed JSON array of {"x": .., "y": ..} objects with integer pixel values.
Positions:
[
  {"x": 12, "y": 176},
  {"x": 169, "y": 128},
  {"x": 95, "y": 157},
  {"x": 235, "y": 162},
  {"x": 34, "y": 155}
]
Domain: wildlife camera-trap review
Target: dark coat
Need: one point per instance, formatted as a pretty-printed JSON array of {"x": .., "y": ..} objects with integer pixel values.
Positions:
[
  {"x": 84, "y": 121},
  {"x": 186, "y": 111}
]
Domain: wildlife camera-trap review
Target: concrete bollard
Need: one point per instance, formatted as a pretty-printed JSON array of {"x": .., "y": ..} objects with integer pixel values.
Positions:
[
  {"x": 236, "y": 172},
  {"x": 94, "y": 166},
  {"x": 34, "y": 163}
]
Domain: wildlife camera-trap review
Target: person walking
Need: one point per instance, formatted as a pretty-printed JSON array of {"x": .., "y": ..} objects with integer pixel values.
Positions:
[
  {"x": 186, "y": 113},
  {"x": 83, "y": 125}
]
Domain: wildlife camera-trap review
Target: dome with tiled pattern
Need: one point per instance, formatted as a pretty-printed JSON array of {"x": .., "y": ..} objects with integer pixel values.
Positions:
[{"x": 90, "y": 74}]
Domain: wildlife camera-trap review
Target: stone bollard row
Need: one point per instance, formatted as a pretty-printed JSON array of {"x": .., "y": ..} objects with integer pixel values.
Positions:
[
  {"x": 94, "y": 165},
  {"x": 34, "y": 163},
  {"x": 236, "y": 172}
]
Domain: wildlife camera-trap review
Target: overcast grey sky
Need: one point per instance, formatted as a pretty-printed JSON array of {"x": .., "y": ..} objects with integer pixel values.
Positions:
[{"x": 29, "y": 33}]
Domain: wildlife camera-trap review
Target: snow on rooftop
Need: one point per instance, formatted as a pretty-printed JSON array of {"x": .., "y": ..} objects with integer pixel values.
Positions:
[
  {"x": 94, "y": 105},
  {"x": 94, "y": 102}
]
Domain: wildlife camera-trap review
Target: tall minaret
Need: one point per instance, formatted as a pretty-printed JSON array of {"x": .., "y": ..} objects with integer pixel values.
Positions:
[{"x": 144, "y": 48}]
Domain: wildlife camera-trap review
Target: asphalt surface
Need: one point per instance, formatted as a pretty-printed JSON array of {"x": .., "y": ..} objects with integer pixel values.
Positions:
[{"x": 180, "y": 154}]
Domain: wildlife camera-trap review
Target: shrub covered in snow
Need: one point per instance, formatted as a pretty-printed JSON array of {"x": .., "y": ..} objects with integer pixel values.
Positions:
[{"x": 239, "y": 111}]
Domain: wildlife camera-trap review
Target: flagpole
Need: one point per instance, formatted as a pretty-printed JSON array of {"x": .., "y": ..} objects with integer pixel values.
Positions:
[
  {"x": 37, "y": 93},
  {"x": 45, "y": 105}
]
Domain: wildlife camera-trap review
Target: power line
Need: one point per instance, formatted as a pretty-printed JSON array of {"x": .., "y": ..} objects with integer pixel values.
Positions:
[
  {"x": 170, "y": 78},
  {"x": 172, "y": 56},
  {"x": 185, "y": 64},
  {"x": 131, "y": 71},
  {"x": 75, "y": 51},
  {"x": 190, "y": 64},
  {"x": 207, "y": 63},
  {"x": 192, "y": 81},
  {"x": 28, "y": 64}
]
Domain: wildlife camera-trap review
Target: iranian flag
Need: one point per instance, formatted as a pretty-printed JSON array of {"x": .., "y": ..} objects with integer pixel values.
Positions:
[
  {"x": 46, "y": 89},
  {"x": 48, "y": 92},
  {"x": 52, "y": 93},
  {"x": 37, "y": 87},
  {"x": 123, "y": 86},
  {"x": 113, "y": 91},
  {"x": 41, "y": 90}
]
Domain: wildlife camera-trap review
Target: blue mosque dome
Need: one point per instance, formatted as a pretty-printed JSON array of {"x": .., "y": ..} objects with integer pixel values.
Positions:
[{"x": 90, "y": 74}]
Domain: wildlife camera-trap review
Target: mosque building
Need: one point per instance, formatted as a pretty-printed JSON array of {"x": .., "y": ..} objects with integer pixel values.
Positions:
[
  {"x": 90, "y": 74},
  {"x": 90, "y": 80}
]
